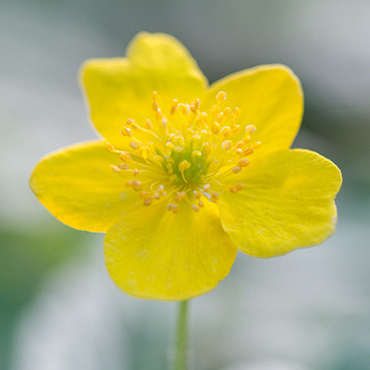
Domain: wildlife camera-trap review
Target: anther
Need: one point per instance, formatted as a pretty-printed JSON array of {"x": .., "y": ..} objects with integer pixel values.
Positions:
[
  {"x": 154, "y": 96},
  {"x": 125, "y": 131},
  {"x": 173, "y": 208},
  {"x": 195, "y": 153},
  {"x": 169, "y": 144},
  {"x": 159, "y": 112},
  {"x": 114, "y": 168},
  {"x": 215, "y": 109},
  {"x": 236, "y": 170},
  {"x": 235, "y": 129},
  {"x": 136, "y": 184},
  {"x": 204, "y": 117},
  {"x": 134, "y": 145},
  {"x": 164, "y": 122},
  {"x": 173, "y": 107},
  {"x": 235, "y": 113},
  {"x": 110, "y": 147},
  {"x": 144, "y": 152},
  {"x": 221, "y": 95},
  {"x": 215, "y": 128},
  {"x": 214, "y": 197},
  {"x": 225, "y": 130},
  {"x": 227, "y": 112},
  {"x": 255, "y": 145},
  {"x": 195, "y": 207},
  {"x": 125, "y": 157},
  {"x": 144, "y": 195},
  {"x": 219, "y": 118},
  {"x": 180, "y": 196},
  {"x": 250, "y": 129},
  {"x": 206, "y": 187},
  {"x": 155, "y": 106},
  {"x": 196, "y": 137},
  {"x": 169, "y": 168},
  {"x": 183, "y": 108},
  {"x": 184, "y": 165},
  {"x": 172, "y": 138},
  {"x": 206, "y": 150},
  {"x": 123, "y": 166},
  {"x": 243, "y": 162},
  {"x": 233, "y": 189},
  {"x": 180, "y": 140},
  {"x": 197, "y": 194},
  {"x": 148, "y": 124},
  {"x": 148, "y": 202},
  {"x": 131, "y": 122},
  {"x": 227, "y": 145},
  {"x": 136, "y": 172}
]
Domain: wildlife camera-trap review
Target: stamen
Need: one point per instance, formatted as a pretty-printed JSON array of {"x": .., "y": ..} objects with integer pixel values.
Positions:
[
  {"x": 215, "y": 129},
  {"x": 235, "y": 113},
  {"x": 134, "y": 145},
  {"x": 173, "y": 107},
  {"x": 110, "y": 147},
  {"x": 225, "y": 131},
  {"x": 227, "y": 112},
  {"x": 149, "y": 125},
  {"x": 227, "y": 145},
  {"x": 221, "y": 96},
  {"x": 236, "y": 170},
  {"x": 180, "y": 196},
  {"x": 255, "y": 145},
  {"x": 125, "y": 131},
  {"x": 250, "y": 129},
  {"x": 114, "y": 168},
  {"x": 185, "y": 156},
  {"x": 148, "y": 202},
  {"x": 125, "y": 157},
  {"x": 243, "y": 162},
  {"x": 194, "y": 154},
  {"x": 184, "y": 165}
]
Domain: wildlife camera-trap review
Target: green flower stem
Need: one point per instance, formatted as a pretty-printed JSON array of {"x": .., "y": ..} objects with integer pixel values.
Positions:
[{"x": 181, "y": 350}]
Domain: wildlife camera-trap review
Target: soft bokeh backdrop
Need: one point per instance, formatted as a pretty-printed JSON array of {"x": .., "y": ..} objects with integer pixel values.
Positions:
[{"x": 58, "y": 308}]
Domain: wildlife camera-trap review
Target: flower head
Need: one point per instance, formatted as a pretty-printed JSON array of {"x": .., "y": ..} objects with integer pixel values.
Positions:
[{"x": 185, "y": 173}]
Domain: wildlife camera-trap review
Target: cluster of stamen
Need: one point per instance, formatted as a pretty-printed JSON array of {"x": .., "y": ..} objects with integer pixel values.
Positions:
[{"x": 185, "y": 155}]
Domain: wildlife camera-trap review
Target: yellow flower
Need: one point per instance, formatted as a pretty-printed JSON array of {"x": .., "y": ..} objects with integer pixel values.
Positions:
[{"x": 187, "y": 174}]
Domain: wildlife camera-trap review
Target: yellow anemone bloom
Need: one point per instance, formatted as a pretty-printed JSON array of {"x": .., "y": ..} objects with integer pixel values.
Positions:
[{"x": 185, "y": 174}]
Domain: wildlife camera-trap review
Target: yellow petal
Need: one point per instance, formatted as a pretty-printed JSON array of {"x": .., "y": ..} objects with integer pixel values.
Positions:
[
  {"x": 156, "y": 254},
  {"x": 270, "y": 97},
  {"x": 287, "y": 202},
  {"x": 78, "y": 187},
  {"x": 120, "y": 88}
]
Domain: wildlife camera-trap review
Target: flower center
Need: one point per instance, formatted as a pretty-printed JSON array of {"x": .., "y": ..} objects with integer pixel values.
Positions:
[{"x": 185, "y": 155}]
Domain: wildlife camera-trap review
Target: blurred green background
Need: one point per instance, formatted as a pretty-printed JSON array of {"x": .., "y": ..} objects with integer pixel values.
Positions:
[{"x": 58, "y": 308}]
